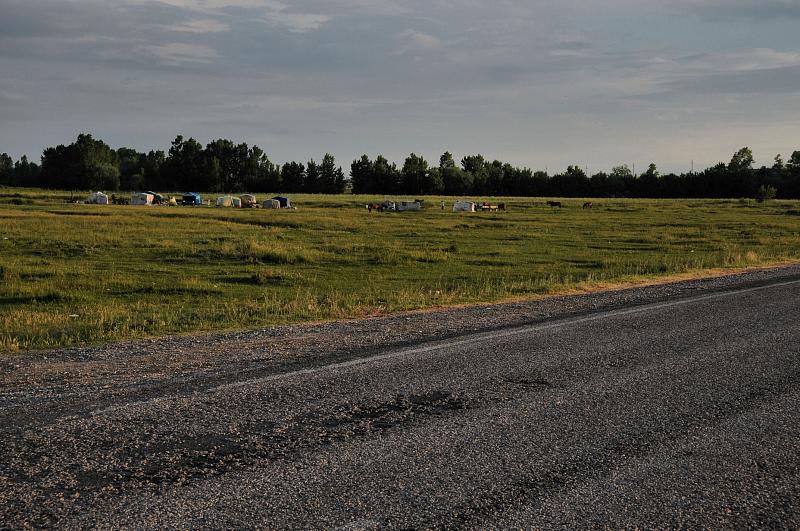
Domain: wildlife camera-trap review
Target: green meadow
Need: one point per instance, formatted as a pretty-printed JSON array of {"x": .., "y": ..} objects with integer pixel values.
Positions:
[{"x": 78, "y": 274}]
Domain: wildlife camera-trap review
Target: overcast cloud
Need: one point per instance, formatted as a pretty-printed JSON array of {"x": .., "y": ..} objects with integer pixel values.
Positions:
[{"x": 541, "y": 83}]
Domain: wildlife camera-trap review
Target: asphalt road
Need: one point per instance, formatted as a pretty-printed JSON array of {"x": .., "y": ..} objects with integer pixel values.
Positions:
[{"x": 679, "y": 412}]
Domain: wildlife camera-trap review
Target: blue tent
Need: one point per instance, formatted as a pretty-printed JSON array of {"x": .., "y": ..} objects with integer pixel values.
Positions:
[
  {"x": 191, "y": 198},
  {"x": 284, "y": 201}
]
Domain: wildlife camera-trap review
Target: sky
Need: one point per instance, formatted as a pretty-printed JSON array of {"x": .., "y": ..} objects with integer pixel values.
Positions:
[{"x": 539, "y": 83}]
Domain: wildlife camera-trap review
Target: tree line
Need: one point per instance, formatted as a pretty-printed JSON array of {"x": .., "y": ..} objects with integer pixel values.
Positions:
[{"x": 224, "y": 166}]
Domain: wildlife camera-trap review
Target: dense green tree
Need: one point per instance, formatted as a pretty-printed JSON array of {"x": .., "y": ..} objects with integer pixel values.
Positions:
[
  {"x": 361, "y": 175},
  {"x": 794, "y": 161},
  {"x": 494, "y": 185},
  {"x": 26, "y": 173},
  {"x": 742, "y": 160},
  {"x": 475, "y": 166},
  {"x": 233, "y": 162},
  {"x": 446, "y": 161},
  {"x": 621, "y": 181},
  {"x": 414, "y": 175},
  {"x": 433, "y": 182},
  {"x": 293, "y": 177},
  {"x": 386, "y": 176},
  {"x": 540, "y": 183},
  {"x": 6, "y": 169},
  {"x": 455, "y": 181},
  {"x": 331, "y": 177},
  {"x": 572, "y": 183},
  {"x": 86, "y": 163},
  {"x": 130, "y": 169},
  {"x": 224, "y": 165},
  {"x": 311, "y": 182},
  {"x": 598, "y": 185},
  {"x": 151, "y": 172},
  {"x": 190, "y": 168},
  {"x": 649, "y": 183},
  {"x": 739, "y": 181},
  {"x": 517, "y": 181},
  {"x": 259, "y": 173}
]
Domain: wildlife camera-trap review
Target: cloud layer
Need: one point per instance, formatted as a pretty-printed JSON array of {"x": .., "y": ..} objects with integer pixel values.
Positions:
[{"x": 543, "y": 84}]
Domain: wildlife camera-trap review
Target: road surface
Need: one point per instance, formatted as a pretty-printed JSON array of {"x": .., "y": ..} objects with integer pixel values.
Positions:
[{"x": 679, "y": 410}]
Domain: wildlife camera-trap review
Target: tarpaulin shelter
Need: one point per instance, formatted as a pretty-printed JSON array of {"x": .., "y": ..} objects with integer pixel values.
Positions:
[
  {"x": 141, "y": 198},
  {"x": 97, "y": 198}
]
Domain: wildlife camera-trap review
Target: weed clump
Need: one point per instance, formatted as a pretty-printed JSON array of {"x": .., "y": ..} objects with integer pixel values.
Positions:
[{"x": 265, "y": 277}]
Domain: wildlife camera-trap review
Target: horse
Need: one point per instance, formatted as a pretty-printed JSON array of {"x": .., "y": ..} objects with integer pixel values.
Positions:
[
  {"x": 554, "y": 204},
  {"x": 587, "y": 204}
]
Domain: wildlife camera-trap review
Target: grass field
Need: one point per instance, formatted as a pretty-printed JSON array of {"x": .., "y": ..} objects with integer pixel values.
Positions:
[{"x": 76, "y": 274}]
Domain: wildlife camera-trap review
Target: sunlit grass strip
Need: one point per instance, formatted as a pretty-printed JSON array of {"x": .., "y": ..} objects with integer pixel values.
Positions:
[{"x": 77, "y": 274}]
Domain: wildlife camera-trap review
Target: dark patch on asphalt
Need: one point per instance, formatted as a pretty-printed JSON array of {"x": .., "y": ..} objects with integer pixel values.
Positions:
[
  {"x": 176, "y": 461},
  {"x": 362, "y": 420}
]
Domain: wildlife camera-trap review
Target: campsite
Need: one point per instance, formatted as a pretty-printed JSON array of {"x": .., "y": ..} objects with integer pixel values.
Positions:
[{"x": 83, "y": 273}]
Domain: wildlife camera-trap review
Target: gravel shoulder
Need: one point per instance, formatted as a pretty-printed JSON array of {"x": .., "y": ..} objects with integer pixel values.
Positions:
[{"x": 48, "y": 384}]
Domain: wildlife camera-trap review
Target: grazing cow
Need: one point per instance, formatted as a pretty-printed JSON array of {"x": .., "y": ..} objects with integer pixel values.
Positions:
[
  {"x": 587, "y": 204},
  {"x": 554, "y": 204}
]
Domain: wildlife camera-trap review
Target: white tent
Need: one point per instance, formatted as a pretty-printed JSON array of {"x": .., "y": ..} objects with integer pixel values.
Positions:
[
  {"x": 225, "y": 201},
  {"x": 141, "y": 198},
  {"x": 272, "y": 203},
  {"x": 97, "y": 198},
  {"x": 463, "y": 206},
  {"x": 237, "y": 203},
  {"x": 408, "y": 206}
]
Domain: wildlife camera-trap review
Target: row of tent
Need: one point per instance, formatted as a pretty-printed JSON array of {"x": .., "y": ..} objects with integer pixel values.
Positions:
[
  {"x": 137, "y": 198},
  {"x": 189, "y": 199},
  {"x": 250, "y": 201}
]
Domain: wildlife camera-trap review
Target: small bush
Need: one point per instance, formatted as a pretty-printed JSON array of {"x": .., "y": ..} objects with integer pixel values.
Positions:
[{"x": 765, "y": 193}]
